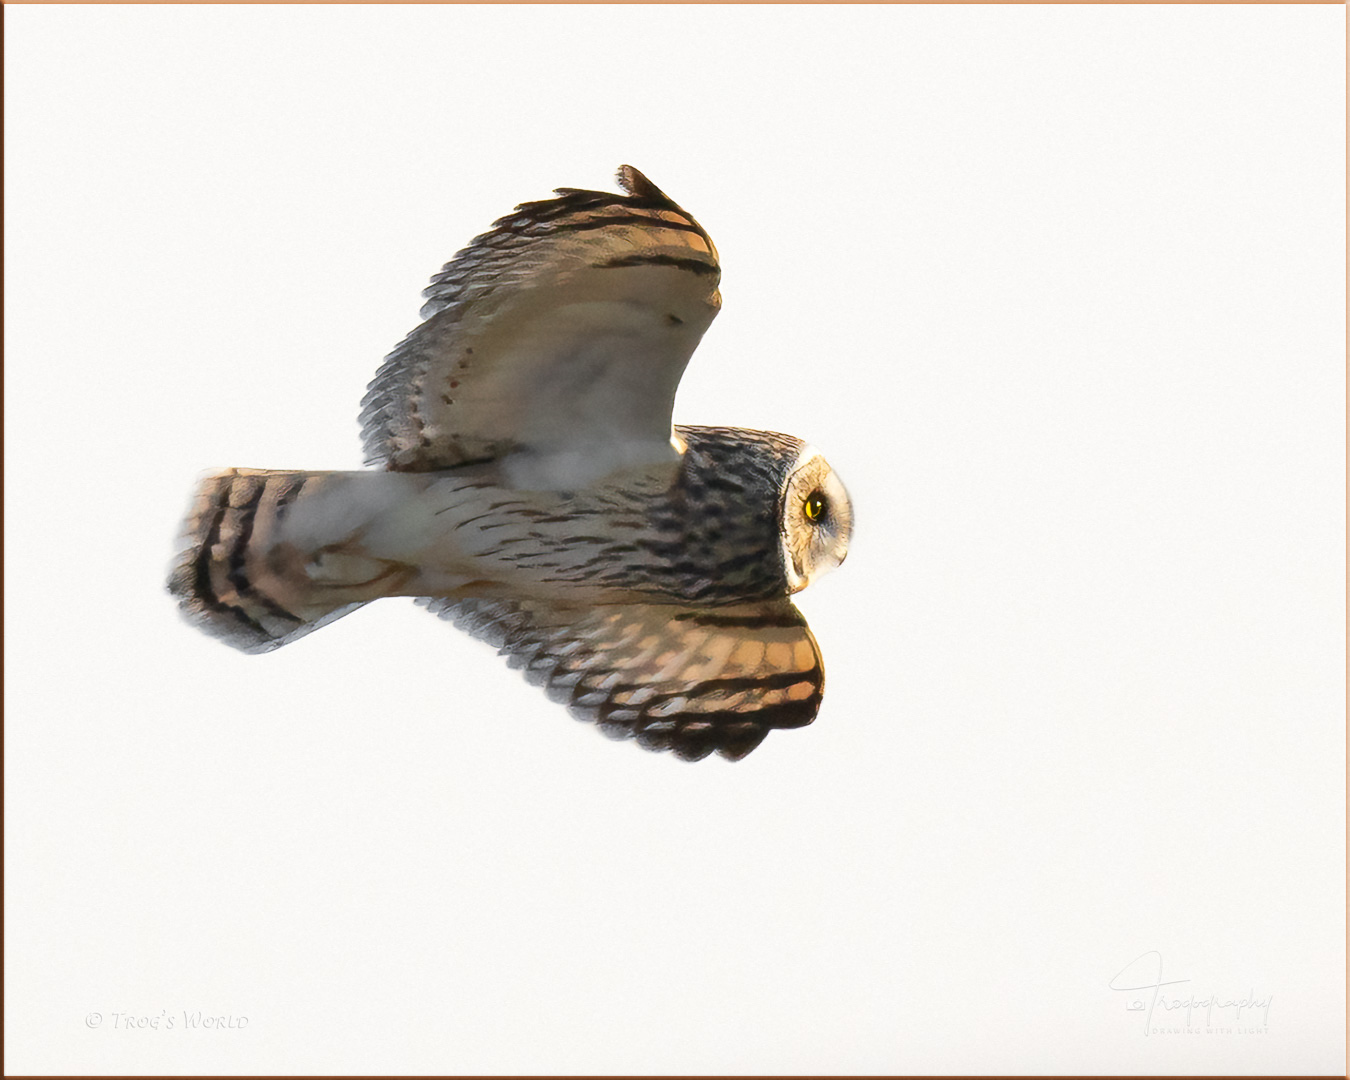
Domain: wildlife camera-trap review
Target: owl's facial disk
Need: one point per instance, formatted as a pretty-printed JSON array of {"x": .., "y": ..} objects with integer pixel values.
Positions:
[{"x": 817, "y": 520}]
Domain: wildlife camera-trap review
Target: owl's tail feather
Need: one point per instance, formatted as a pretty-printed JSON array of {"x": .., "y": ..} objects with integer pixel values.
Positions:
[{"x": 238, "y": 578}]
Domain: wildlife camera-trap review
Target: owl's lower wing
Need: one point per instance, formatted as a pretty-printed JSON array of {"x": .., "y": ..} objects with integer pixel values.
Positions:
[
  {"x": 557, "y": 338},
  {"x": 688, "y": 680}
]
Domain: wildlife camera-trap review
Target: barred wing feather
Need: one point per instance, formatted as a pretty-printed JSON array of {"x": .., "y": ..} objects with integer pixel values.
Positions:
[
  {"x": 682, "y": 679},
  {"x": 558, "y": 337}
]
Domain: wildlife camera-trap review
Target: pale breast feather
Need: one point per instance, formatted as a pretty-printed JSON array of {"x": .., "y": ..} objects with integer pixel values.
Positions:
[{"x": 562, "y": 332}]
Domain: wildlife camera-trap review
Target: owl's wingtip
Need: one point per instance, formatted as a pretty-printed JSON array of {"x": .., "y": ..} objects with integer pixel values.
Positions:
[{"x": 633, "y": 182}]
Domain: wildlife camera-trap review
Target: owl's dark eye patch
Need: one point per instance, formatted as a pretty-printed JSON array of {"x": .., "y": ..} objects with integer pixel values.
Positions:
[{"x": 815, "y": 507}]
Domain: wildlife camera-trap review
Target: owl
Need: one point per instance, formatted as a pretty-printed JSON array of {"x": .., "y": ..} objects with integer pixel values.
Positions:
[{"x": 529, "y": 486}]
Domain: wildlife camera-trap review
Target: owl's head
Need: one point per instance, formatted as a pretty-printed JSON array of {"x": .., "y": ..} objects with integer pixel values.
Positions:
[
  {"x": 757, "y": 511},
  {"x": 816, "y": 520}
]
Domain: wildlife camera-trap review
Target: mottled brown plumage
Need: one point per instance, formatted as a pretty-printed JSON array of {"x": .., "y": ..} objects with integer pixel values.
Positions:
[{"x": 534, "y": 491}]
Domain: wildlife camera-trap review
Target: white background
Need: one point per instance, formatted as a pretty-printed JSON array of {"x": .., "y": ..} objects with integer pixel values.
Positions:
[{"x": 1060, "y": 293}]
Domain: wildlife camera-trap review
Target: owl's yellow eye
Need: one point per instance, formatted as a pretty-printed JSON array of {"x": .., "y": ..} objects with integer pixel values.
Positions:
[{"x": 815, "y": 506}]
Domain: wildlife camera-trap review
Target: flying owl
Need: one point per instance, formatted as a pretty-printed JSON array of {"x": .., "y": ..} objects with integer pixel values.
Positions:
[{"x": 529, "y": 487}]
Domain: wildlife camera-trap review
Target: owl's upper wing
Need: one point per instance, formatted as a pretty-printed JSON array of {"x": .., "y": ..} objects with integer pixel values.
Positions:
[
  {"x": 691, "y": 680},
  {"x": 559, "y": 336}
]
